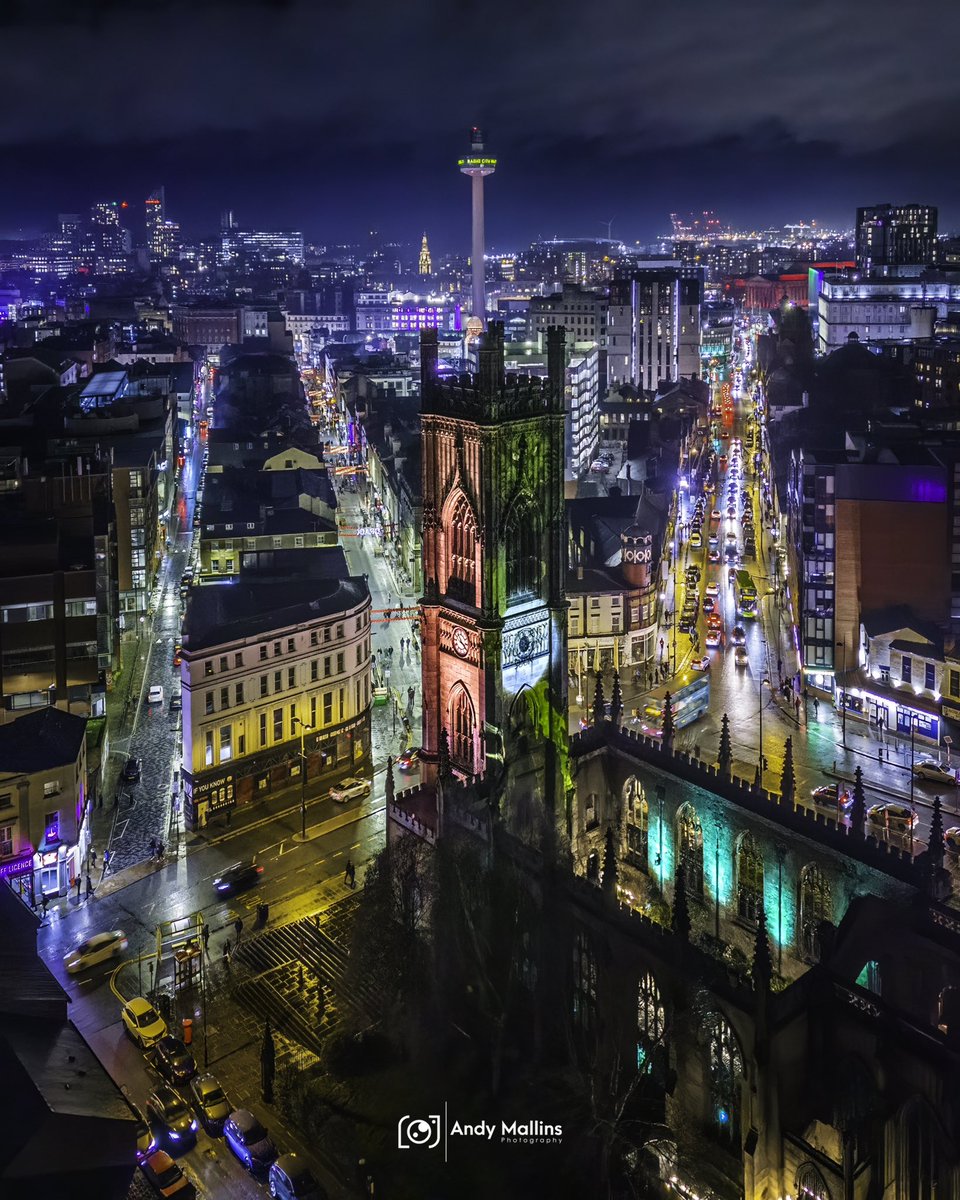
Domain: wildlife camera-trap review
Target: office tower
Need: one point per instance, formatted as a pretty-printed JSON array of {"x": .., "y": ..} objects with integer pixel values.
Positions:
[
  {"x": 155, "y": 211},
  {"x": 896, "y": 235},
  {"x": 653, "y": 326},
  {"x": 426, "y": 263},
  {"x": 478, "y": 166}
]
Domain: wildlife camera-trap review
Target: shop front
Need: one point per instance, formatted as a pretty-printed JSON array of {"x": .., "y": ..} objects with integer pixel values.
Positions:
[
  {"x": 18, "y": 873},
  {"x": 891, "y": 711}
]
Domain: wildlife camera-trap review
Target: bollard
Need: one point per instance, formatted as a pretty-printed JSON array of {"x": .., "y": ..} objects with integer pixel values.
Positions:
[{"x": 187, "y": 1031}]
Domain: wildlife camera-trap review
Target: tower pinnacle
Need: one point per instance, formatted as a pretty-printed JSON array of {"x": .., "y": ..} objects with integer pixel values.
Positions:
[
  {"x": 478, "y": 164},
  {"x": 426, "y": 263}
]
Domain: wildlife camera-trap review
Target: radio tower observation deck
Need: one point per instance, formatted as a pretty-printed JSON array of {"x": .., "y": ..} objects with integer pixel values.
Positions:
[{"x": 478, "y": 165}]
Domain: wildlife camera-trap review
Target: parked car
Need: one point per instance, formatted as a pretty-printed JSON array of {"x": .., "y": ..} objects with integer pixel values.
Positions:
[
  {"x": 100, "y": 948},
  {"x": 248, "y": 1140},
  {"x": 164, "y": 1176},
  {"x": 935, "y": 772},
  {"x": 142, "y": 1022},
  {"x": 131, "y": 770},
  {"x": 171, "y": 1118},
  {"x": 349, "y": 789},
  {"x": 155, "y": 694},
  {"x": 234, "y": 879},
  {"x": 891, "y": 815},
  {"x": 211, "y": 1103},
  {"x": 951, "y": 840},
  {"x": 173, "y": 1060},
  {"x": 176, "y": 701},
  {"x": 290, "y": 1179},
  {"x": 146, "y": 1140},
  {"x": 696, "y": 541},
  {"x": 409, "y": 760}
]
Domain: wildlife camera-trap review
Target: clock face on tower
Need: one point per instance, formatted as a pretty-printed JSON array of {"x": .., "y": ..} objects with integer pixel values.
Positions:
[{"x": 461, "y": 643}]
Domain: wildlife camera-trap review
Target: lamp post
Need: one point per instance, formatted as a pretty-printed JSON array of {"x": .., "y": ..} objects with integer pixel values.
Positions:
[
  {"x": 760, "y": 759},
  {"x": 304, "y": 729}
]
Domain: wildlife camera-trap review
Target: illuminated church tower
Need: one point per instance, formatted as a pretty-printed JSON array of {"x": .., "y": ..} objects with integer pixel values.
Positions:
[
  {"x": 426, "y": 263},
  {"x": 494, "y": 563}
]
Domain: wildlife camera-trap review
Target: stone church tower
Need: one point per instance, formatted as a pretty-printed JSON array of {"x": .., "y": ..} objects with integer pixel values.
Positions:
[{"x": 494, "y": 563}]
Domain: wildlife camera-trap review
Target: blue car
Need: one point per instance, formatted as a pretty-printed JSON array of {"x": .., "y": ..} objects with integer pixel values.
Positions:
[
  {"x": 249, "y": 1142},
  {"x": 289, "y": 1179}
]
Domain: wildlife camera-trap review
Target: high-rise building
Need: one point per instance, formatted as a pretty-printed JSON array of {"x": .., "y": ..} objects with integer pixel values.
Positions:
[
  {"x": 478, "y": 165},
  {"x": 896, "y": 235},
  {"x": 155, "y": 210},
  {"x": 109, "y": 242},
  {"x": 426, "y": 263},
  {"x": 653, "y": 326}
]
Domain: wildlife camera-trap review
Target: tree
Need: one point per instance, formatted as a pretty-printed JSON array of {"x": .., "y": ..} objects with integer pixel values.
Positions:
[
  {"x": 616, "y": 700},
  {"x": 667, "y": 722},
  {"x": 788, "y": 783},
  {"x": 599, "y": 701},
  {"x": 725, "y": 751}
]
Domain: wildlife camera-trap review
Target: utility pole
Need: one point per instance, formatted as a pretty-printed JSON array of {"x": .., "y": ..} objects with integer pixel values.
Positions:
[
  {"x": 843, "y": 695},
  {"x": 304, "y": 729}
]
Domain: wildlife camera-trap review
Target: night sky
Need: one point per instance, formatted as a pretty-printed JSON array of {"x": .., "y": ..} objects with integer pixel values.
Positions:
[{"x": 338, "y": 117}]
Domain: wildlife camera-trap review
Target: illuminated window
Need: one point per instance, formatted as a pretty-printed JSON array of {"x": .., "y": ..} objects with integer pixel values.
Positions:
[
  {"x": 816, "y": 906},
  {"x": 637, "y": 815},
  {"x": 749, "y": 879},
  {"x": 461, "y": 729},
  {"x": 651, "y": 1020},
  {"x": 811, "y": 1184},
  {"x": 522, "y": 543},
  {"x": 690, "y": 848},
  {"x": 725, "y": 1065},
  {"x": 462, "y": 553}
]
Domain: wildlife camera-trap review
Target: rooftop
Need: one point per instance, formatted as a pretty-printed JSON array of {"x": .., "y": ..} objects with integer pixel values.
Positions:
[{"x": 48, "y": 737}]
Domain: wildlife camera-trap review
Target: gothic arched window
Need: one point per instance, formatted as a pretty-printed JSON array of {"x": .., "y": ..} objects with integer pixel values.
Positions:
[
  {"x": 584, "y": 986},
  {"x": 462, "y": 724},
  {"x": 651, "y": 1019},
  {"x": 462, "y": 552},
  {"x": 816, "y": 906},
  {"x": 690, "y": 848},
  {"x": 810, "y": 1184},
  {"x": 725, "y": 1065},
  {"x": 636, "y": 811},
  {"x": 523, "y": 553},
  {"x": 749, "y": 878}
]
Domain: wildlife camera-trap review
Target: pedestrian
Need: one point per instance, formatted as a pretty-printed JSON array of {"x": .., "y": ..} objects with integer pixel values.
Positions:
[
  {"x": 93, "y": 857},
  {"x": 816, "y": 707},
  {"x": 107, "y": 855},
  {"x": 89, "y": 887},
  {"x": 153, "y": 847},
  {"x": 77, "y": 880},
  {"x": 347, "y": 870},
  {"x": 44, "y": 901},
  {"x": 238, "y": 926},
  {"x": 160, "y": 850},
  {"x": 206, "y": 938},
  {"x": 226, "y": 954}
]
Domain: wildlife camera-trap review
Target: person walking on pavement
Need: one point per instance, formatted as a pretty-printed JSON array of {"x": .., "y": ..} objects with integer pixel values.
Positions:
[
  {"x": 238, "y": 926},
  {"x": 89, "y": 887},
  {"x": 77, "y": 880},
  {"x": 93, "y": 857},
  {"x": 206, "y": 938},
  {"x": 347, "y": 870},
  {"x": 226, "y": 954}
]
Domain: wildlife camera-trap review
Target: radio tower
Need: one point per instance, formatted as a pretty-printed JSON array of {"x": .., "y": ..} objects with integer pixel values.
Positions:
[{"x": 478, "y": 166}]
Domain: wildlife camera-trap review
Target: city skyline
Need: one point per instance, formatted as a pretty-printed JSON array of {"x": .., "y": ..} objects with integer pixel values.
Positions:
[{"x": 760, "y": 132}]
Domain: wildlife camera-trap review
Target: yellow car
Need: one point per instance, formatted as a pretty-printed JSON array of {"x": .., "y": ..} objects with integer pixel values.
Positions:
[{"x": 142, "y": 1022}]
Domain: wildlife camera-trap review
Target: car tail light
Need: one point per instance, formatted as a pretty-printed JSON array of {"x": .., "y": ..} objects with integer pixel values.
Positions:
[{"x": 259, "y": 870}]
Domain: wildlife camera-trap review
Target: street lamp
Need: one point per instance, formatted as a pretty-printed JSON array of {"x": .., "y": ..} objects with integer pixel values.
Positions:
[
  {"x": 304, "y": 729},
  {"x": 760, "y": 759}
]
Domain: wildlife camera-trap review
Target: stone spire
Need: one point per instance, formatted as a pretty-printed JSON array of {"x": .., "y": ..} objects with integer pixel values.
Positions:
[
  {"x": 788, "y": 783},
  {"x": 388, "y": 785},
  {"x": 725, "y": 752},
  {"x": 599, "y": 701},
  {"x": 667, "y": 722},
  {"x": 762, "y": 969},
  {"x": 616, "y": 700},
  {"x": 935, "y": 841},
  {"x": 443, "y": 755},
  {"x": 858, "y": 813}
]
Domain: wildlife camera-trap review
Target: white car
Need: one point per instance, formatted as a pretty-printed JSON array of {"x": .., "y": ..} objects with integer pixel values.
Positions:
[
  {"x": 712, "y": 589},
  {"x": 155, "y": 694},
  {"x": 349, "y": 789},
  {"x": 143, "y": 1023},
  {"x": 100, "y": 948},
  {"x": 743, "y": 659},
  {"x": 929, "y": 768}
]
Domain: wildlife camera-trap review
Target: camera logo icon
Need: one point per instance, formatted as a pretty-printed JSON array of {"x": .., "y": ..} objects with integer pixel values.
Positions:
[{"x": 421, "y": 1132}]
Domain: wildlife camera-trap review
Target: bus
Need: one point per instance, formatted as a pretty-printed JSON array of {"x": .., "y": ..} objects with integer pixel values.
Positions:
[
  {"x": 688, "y": 703},
  {"x": 746, "y": 595}
]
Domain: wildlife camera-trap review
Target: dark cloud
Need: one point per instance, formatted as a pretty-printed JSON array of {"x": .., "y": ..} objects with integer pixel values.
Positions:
[{"x": 623, "y": 94}]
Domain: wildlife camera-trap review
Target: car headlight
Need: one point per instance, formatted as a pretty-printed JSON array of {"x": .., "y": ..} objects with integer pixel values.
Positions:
[
  {"x": 193, "y": 1124},
  {"x": 174, "y": 1135}
]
